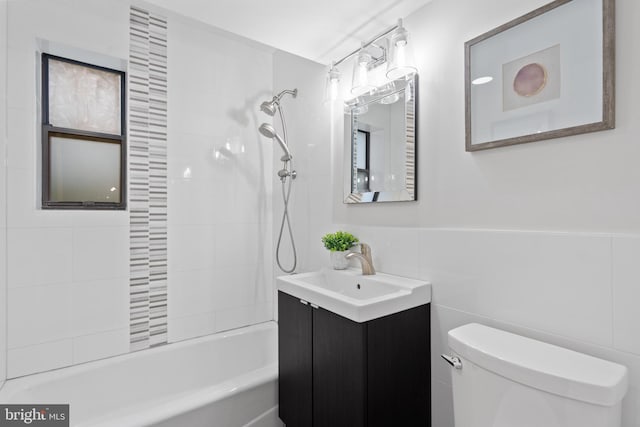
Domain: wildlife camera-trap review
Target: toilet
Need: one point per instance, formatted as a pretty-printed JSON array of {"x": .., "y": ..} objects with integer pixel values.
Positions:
[{"x": 501, "y": 379}]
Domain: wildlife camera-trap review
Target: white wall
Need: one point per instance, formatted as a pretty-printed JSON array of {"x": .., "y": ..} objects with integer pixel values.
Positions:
[
  {"x": 577, "y": 290},
  {"x": 220, "y": 181},
  {"x": 310, "y": 143},
  {"x": 541, "y": 239},
  {"x": 3, "y": 194},
  {"x": 581, "y": 183},
  {"x": 67, "y": 271}
]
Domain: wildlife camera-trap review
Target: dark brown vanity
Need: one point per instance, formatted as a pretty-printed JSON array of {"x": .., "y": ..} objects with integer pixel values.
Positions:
[{"x": 335, "y": 372}]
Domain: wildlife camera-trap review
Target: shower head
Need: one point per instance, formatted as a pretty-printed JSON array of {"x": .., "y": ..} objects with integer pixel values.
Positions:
[
  {"x": 267, "y": 130},
  {"x": 269, "y": 107}
]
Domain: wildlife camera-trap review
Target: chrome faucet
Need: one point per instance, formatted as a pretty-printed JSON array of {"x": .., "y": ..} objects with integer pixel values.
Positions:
[{"x": 365, "y": 259}]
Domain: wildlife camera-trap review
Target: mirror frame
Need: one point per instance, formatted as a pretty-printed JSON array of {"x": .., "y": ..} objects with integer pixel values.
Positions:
[{"x": 409, "y": 192}]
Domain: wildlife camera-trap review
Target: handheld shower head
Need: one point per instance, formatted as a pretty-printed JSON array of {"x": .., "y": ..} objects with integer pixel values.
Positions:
[{"x": 267, "y": 130}]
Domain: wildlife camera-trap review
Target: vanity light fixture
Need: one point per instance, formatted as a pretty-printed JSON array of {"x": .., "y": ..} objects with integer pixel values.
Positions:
[
  {"x": 332, "y": 84},
  {"x": 393, "y": 50},
  {"x": 388, "y": 94},
  {"x": 360, "y": 84},
  {"x": 401, "y": 63}
]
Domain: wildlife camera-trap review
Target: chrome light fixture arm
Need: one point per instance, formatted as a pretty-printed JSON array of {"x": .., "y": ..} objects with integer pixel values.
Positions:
[{"x": 370, "y": 42}]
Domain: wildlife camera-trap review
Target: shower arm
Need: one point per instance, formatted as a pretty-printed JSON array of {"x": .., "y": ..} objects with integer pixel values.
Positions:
[{"x": 279, "y": 96}]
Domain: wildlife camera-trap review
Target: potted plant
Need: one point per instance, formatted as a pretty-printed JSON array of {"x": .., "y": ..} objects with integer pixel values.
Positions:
[{"x": 339, "y": 244}]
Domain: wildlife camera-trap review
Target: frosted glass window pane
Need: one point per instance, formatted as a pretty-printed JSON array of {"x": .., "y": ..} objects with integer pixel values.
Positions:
[
  {"x": 84, "y": 98},
  {"x": 84, "y": 170}
]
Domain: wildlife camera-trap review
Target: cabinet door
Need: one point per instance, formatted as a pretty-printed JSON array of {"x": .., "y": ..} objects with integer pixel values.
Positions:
[
  {"x": 295, "y": 361},
  {"x": 399, "y": 369},
  {"x": 339, "y": 371}
]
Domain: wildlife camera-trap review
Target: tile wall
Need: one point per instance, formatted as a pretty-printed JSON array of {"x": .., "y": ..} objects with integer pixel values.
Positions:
[
  {"x": 570, "y": 288},
  {"x": 576, "y": 290},
  {"x": 541, "y": 239},
  {"x": 220, "y": 181},
  {"x": 310, "y": 142},
  {"x": 148, "y": 178},
  {"x": 67, "y": 271}
]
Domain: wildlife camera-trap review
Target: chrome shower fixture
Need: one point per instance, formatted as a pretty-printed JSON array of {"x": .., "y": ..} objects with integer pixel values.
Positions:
[
  {"x": 267, "y": 130},
  {"x": 286, "y": 174},
  {"x": 269, "y": 107}
]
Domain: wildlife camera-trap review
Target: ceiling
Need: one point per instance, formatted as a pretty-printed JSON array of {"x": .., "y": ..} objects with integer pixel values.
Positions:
[{"x": 320, "y": 30}]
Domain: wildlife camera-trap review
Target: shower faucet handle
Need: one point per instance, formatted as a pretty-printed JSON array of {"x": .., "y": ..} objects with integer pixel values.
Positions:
[{"x": 283, "y": 173}]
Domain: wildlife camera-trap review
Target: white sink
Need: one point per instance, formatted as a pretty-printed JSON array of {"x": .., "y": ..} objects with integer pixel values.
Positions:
[{"x": 354, "y": 296}]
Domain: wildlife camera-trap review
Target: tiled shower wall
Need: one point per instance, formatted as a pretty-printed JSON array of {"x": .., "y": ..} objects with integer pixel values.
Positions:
[
  {"x": 148, "y": 178},
  {"x": 69, "y": 271},
  {"x": 310, "y": 141},
  {"x": 220, "y": 181}
]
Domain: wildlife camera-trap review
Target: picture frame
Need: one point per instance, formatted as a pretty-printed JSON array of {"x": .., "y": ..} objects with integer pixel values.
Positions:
[{"x": 531, "y": 79}]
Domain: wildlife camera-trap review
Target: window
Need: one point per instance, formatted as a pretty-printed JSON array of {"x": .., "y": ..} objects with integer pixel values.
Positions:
[
  {"x": 83, "y": 135},
  {"x": 362, "y": 161}
]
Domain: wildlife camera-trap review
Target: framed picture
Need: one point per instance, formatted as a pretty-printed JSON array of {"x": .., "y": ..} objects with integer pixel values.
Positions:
[{"x": 547, "y": 74}]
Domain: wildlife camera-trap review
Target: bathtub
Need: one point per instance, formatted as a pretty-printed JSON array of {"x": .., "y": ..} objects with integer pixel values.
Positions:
[{"x": 224, "y": 380}]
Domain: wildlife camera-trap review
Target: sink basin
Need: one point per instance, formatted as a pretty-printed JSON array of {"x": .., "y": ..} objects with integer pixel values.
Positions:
[{"x": 354, "y": 296}]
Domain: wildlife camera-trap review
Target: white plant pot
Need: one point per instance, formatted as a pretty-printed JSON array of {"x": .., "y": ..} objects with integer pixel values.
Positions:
[{"x": 338, "y": 260}]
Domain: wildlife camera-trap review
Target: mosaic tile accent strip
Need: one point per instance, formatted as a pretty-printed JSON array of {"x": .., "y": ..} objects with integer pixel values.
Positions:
[
  {"x": 147, "y": 179},
  {"x": 410, "y": 162}
]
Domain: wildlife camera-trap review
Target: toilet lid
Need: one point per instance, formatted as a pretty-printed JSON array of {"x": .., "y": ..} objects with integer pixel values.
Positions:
[{"x": 540, "y": 365}]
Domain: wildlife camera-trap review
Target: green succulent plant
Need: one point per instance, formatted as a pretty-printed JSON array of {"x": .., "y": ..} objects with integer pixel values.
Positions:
[{"x": 339, "y": 241}]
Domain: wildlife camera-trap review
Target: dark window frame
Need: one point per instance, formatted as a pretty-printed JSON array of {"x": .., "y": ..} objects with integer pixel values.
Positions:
[
  {"x": 49, "y": 130},
  {"x": 367, "y": 157}
]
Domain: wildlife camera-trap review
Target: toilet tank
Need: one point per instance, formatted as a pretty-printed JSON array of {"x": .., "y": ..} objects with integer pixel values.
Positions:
[{"x": 506, "y": 380}]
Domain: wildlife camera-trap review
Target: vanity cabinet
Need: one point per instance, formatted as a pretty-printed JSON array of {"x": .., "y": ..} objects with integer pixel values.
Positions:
[{"x": 334, "y": 372}]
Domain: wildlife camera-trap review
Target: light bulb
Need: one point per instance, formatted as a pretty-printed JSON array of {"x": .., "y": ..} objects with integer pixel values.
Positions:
[
  {"x": 401, "y": 63},
  {"x": 332, "y": 84},
  {"x": 360, "y": 83}
]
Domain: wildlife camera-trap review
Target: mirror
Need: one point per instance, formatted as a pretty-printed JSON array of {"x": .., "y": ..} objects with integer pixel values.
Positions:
[{"x": 381, "y": 152}]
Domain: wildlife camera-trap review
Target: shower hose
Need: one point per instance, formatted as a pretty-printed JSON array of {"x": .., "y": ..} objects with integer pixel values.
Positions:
[{"x": 287, "y": 182}]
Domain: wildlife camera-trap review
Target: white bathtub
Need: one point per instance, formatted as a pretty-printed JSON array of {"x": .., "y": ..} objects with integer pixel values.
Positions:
[{"x": 223, "y": 380}]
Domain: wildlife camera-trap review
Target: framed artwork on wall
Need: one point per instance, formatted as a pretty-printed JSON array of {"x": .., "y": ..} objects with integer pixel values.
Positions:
[{"x": 547, "y": 74}]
